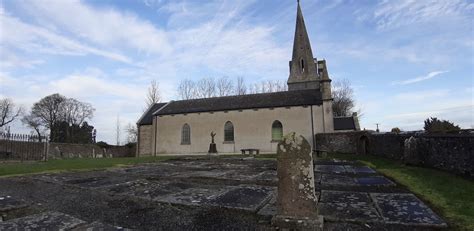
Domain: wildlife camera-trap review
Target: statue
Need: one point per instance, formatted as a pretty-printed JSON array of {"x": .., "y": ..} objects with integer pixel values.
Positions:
[
  {"x": 212, "y": 146},
  {"x": 212, "y": 136}
]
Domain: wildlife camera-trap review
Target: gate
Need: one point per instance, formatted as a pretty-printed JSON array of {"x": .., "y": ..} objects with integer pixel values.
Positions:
[{"x": 22, "y": 147}]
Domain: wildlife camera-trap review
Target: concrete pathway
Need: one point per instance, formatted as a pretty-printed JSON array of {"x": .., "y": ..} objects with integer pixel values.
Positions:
[{"x": 198, "y": 193}]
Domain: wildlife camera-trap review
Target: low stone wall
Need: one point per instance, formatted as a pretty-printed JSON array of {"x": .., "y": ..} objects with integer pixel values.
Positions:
[
  {"x": 65, "y": 151},
  {"x": 449, "y": 152}
]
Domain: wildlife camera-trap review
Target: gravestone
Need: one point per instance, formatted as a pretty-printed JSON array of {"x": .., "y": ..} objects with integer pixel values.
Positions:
[{"x": 296, "y": 201}]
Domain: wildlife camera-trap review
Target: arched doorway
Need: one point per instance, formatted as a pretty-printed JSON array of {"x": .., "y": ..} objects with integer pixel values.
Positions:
[{"x": 363, "y": 145}]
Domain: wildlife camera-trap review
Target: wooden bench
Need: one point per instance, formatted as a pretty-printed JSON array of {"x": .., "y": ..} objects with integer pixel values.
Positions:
[{"x": 250, "y": 151}]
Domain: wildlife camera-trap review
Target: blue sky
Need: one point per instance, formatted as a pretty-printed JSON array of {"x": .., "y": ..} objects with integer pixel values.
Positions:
[{"x": 406, "y": 59}]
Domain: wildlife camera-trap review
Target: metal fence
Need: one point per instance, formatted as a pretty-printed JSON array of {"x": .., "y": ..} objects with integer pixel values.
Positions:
[{"x": 22, "y": 147}]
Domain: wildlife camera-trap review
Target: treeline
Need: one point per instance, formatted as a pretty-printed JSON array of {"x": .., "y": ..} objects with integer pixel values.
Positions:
[{"x": 225, "y": 86}]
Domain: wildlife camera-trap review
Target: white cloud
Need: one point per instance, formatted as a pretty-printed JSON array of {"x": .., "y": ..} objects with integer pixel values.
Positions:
[
  {"x": 420, "y": 78},
  {"x": 421, "y": 95},
  {"x": 102, "y": 26},
  {"x": 394, "y": 14},
  {"x": 33, "y": 39}
]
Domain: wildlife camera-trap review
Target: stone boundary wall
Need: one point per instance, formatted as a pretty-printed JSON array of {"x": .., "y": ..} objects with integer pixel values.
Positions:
[
  {"x": 65, "y": 151},
  {"x": 450, "y": 152}
]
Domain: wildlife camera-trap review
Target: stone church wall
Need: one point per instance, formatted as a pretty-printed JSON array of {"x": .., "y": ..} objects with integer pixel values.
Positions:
[
  {"x": 145, "y": 142},
  {"x": 449, "y": 152},
  {"x": 252, "y": 129}
]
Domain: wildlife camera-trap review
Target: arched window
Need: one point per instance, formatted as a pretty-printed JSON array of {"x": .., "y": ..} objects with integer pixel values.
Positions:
[
  {"x": 302, "y": 65},
  {"x": 228, "y": 132},
  {"x": 277, "y": 131},
  {"x": 186, "y": 134}
]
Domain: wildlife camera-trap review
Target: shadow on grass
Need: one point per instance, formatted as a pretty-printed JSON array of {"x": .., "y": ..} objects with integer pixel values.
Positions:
[{"x": 451, "y": 195}]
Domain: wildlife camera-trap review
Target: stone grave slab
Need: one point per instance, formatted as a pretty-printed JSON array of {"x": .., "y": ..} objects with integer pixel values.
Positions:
[
  {"x": 270, "y": 176},
  {"x": 359, "y": 169},
  {"x": 270, "y": 209},
  {"x": 347, "y": 206},
  {"x": 374, "y": 181},
  {"x": 329, "y": 168},
  {"x": 43, "y": 221},
  {"x": 201, "y": 174},
  {"x": 196, "y": 196},
  {"x": 239, "y": 175},
  {"x": 98, "y": 226},
  {"x": 317, "y": 178},
  {"x": 144, "y": 189},
  {"x": 8, "y": 203},
  {"x": 249, "y": 198},
  {"x": 405, "y": 208},
  {"x": 163, "y": 170},
  {"x": 337, "y": 180}
]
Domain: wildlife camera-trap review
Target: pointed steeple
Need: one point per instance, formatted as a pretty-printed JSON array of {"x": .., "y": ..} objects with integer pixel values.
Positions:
[{"x": 303, "y": 71}]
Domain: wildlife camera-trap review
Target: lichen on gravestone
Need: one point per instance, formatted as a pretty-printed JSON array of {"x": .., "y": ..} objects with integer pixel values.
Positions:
[{"x": 296, "y": 201}]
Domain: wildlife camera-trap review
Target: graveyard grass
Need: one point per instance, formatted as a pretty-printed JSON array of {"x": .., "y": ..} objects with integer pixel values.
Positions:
[
  {"x": 83, "y": 164},
  {"x": 448, "y": 194},
  {"x": 9, "y": 169}
]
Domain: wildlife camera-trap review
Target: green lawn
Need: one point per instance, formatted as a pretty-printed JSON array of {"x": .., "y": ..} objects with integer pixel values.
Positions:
[
  {"x": 8, "y": 169},
  {"x": 448, "y": 194}
]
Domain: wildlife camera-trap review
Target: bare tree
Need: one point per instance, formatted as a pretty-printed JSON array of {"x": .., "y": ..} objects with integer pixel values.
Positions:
[
  {"x": 187, "y": 89},
  {"x": 132, "y": 133},
  {"x": 206, "y": 88},
  {"x": 35, "y": 123},
  {"x": 281, "y": 85},
  {"x": 8, "y": 111},
  {"x": 153, "y": 95},
  {"x": 59, "y": 114},
  {"x": 254, "y": 88},
  {"x": 76, "y": 112},
  {"x": 49, "y": 110},
  {"x": 225, "y": 86},
  {"x": 117, "y": 131},
  {"x": 343, "y": 96},
  {"x": 241, "y": 87}
]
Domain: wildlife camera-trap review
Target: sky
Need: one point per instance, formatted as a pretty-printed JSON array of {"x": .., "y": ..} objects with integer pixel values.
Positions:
[{"x": 407, "y": 60}]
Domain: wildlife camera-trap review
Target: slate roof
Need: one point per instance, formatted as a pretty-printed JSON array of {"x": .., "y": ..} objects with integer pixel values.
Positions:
[
  {"x": 253, "y": 101},
  {"x": 344, "y": 123},
  {"x": 147, "y": 118}
]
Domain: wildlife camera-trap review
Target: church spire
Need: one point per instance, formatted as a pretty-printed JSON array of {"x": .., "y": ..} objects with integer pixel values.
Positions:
[{"x": 303, "y": 71}]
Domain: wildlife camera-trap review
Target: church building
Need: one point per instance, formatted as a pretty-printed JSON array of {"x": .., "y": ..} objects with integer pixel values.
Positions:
[{"x": 253, "y": 121}]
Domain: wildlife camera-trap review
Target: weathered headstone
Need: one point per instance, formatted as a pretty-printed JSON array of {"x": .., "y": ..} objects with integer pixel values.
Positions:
[{"x": 296, "y": 201}]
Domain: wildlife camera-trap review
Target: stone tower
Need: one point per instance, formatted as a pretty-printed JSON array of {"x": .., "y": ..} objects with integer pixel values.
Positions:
[
  {"x": 306, "y": 72},
  {"x": 303, "y": 66}
]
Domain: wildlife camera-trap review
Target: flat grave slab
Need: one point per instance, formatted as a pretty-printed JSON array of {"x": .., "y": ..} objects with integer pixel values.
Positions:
[
  {"x": 270, "y": 176},
  {"x": 329, "y": 168},
  {"x": 98, "y": 226},
  {"x": 244, "y": 197},
  {"x": 43, "y": 221},
  {"x": 374, "y": 181},
  {"x": 337, "y": 180},
  {"x": 146, "y": 189},
  {"x": 359, "y": 169},
  {"x": 8, "y": 203},
  {"x": 405, "y": 208},
  {"x": 199, "y": 196},
  {"x": 347, "y": 206}
]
